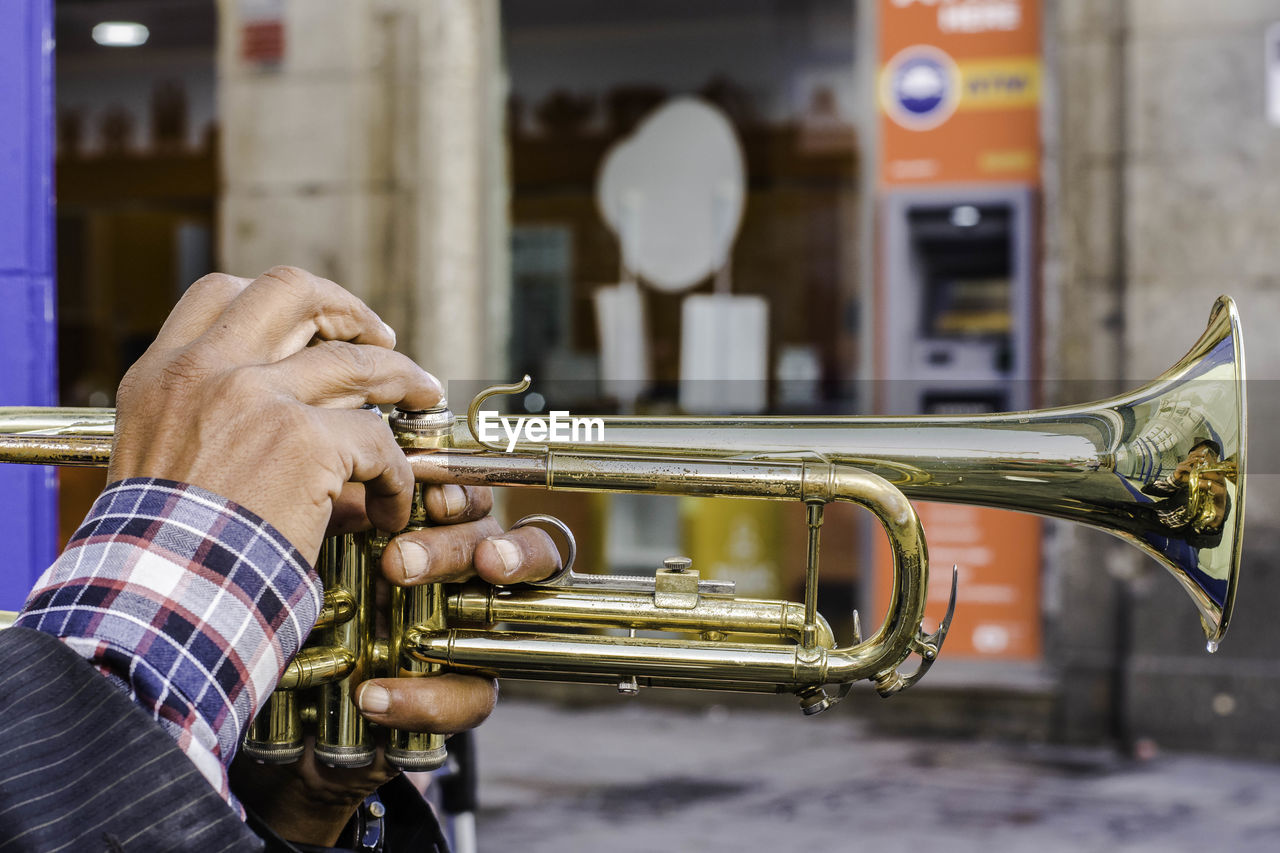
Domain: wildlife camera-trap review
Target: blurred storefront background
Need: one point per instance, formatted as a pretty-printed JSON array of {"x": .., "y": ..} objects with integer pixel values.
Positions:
[{"x": 946, "y": 206}]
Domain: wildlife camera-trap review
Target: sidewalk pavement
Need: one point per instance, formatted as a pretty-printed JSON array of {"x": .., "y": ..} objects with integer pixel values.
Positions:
[{"x": 643, "y": 778}]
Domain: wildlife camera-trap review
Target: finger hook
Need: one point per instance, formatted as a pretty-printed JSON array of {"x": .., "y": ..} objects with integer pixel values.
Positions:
[
  {"x": 473, "y": 411},
  {"x": 565, "y": 576}
]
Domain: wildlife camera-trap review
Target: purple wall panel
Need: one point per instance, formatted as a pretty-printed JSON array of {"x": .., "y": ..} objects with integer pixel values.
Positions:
[{"x": 28, "y": 495}]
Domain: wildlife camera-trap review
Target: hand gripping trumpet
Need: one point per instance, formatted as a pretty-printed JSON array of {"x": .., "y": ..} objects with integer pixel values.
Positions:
[{"x": 1109, "y": 464}]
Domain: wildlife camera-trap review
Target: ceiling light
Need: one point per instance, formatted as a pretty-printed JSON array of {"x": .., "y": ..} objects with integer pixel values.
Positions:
[{"x": 120, "y": 34}]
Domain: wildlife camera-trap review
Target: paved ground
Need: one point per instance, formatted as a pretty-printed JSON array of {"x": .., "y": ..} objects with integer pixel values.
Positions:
[{"x": 627, "y": 779}]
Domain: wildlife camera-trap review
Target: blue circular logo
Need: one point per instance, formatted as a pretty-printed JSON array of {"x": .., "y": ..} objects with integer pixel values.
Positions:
[{"x": 920, "y": 87}]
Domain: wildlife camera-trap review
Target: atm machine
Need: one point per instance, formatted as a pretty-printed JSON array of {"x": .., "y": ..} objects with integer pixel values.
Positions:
[
  {"x": 956, "y": 334},
  {"x": 957, "y": 315}
]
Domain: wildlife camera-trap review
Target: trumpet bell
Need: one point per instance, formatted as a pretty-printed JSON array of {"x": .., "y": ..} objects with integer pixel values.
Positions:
[{"x": 1185, "y": 454}]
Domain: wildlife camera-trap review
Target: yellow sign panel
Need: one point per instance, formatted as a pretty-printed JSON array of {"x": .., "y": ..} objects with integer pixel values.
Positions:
[
  {"x": 737, "y": 540},
  {"x": 999, "y": 84}
]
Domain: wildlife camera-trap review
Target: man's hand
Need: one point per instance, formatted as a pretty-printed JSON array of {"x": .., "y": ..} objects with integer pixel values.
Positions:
[
  {"x": 253, "y": 390},
  {"x": 309, "y": 802},
  {"x": 469, "y": 543}
]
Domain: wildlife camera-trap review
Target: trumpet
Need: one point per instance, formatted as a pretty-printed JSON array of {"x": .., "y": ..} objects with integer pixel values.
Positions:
[{"x": 1099, "y": 464}]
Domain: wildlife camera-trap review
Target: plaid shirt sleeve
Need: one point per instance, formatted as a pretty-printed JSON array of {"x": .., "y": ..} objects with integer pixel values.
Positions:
[{"x": 191, "y": 603}]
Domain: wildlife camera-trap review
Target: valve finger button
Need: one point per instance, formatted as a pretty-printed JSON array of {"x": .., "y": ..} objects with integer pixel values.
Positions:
[{"x": 677, "y": 564}]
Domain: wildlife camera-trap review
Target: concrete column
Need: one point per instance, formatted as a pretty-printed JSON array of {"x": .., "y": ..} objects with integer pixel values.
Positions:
[
  {"x": 374, "y": 154},
  {"x": 1204, "y": 189},
  {"x": 1083, "y": 340},
  {"x": 462, "y": 261},
  {"x": 1085, "y": 117},
  {"x": 1162, "y": 184}
]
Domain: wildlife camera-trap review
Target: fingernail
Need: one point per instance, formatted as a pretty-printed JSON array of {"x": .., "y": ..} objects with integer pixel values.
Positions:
[
  {"x": 508, "y": 553},
  {"x": 455, "y": 499},
  {"x": 439, "y": 385},
  {"x": 390, "y": 331},
  {"x": 415, "y": 559},
  {"x": 374, "y": 699}
]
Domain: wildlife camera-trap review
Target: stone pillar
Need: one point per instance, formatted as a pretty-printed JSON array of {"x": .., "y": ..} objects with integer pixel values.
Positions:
[
  {"x": 1162, "y": 190},
  {"x": 1084, "y": 284},
  {"x": 1084, "y": 188},
  {"x": 373, "y": 154},
  {"x": 461, "y": 265},
  {"x": 1204, "y": 190}
]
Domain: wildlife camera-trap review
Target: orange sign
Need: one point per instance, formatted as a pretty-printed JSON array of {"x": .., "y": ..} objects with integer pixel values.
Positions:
[
  {"x": 959, "y": 91},
  {"x": 998, "y": 597}
]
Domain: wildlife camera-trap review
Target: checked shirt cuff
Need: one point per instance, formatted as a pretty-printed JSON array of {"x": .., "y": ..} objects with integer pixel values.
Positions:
[{"x": 193, "y": 604}]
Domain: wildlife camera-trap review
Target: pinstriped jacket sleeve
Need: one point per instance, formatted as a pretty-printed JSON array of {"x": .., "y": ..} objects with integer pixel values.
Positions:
[
  {"x": 84, "y": 769},
  {"x": 190, "y": 605}
]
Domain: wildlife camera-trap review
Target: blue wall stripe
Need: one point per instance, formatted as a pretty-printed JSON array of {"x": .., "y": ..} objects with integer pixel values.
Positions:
[{"x": 28, "y": 370}]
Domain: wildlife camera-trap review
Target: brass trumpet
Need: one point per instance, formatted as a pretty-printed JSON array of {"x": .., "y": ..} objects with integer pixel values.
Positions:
[{"x": 1100, "y": 465}]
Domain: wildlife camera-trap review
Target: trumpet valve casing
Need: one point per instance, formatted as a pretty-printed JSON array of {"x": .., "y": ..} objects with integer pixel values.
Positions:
[{"x": 419, "y": 608}]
